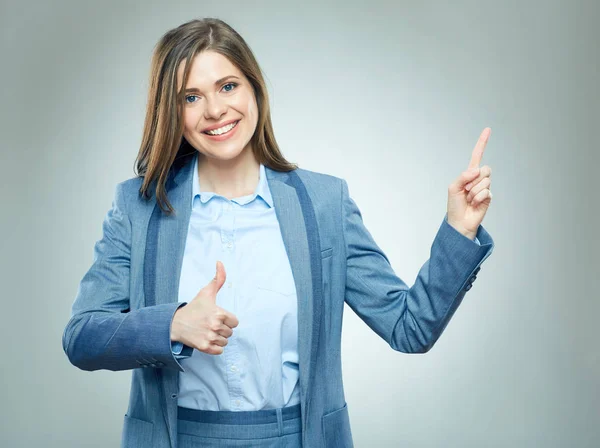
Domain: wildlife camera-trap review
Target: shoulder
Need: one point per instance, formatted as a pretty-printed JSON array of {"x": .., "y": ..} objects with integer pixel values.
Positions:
[
  {"x": 318, "y": 179},
  {"x": 325, "y": 190},
  {"x": 131, "y": 187},
  {"x": 127, "y": 195}
]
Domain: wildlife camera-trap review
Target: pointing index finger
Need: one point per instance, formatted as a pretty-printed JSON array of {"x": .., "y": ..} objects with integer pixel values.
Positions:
[{"x": 477, "y": 153}]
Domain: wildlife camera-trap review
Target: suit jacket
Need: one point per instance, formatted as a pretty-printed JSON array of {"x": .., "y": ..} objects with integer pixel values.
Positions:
[{"x": 121, "y": 317}]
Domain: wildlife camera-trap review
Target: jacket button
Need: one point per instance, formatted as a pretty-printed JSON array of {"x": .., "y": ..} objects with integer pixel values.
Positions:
[
  {"x": 144, "y": 365},
  {"x": 477, "y": 270},
  {"x": 469, "y": 286},
  {"x": 159, "y": 364}
]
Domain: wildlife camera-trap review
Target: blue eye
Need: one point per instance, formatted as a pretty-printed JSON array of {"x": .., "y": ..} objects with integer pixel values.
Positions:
[
  {"x": 230, "y": 84},
  {"x": 233, "y": 84}
]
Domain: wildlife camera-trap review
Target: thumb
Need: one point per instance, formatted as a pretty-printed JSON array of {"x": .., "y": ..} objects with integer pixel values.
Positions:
[
  {"x": 218, "y": 280},
  {"x": 465, "y": 177}
]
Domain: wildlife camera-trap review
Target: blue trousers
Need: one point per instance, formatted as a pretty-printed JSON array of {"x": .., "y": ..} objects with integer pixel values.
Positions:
[{"x": 280, "y": 428}]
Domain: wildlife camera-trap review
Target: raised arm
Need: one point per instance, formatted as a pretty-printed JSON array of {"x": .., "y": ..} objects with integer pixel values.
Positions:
[{"x": 409, "y": 319}]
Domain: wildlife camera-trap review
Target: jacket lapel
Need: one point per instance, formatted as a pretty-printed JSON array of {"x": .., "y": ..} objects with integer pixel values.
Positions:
[
  {"x": 166, "y": 236},
  {"x": 297, "y": 238}
]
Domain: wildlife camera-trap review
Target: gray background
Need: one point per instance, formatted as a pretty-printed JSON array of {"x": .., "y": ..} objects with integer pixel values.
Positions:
[{"x": 392, "y": 97}]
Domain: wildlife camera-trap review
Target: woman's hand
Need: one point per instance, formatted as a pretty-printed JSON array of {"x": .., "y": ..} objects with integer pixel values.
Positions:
[
  {"x": 469, "y": 196},
  {"x": 202, "y": 324}
]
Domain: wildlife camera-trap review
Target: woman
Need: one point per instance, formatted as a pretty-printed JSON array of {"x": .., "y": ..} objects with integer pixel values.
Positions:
[{"x": 222, "y": 271}]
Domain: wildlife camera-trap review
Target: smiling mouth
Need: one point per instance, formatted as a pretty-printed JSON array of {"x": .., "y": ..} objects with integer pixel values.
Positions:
[{"x": 223, "y": 130}]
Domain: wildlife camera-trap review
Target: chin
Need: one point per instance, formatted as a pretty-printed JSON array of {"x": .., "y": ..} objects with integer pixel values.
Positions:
[{"x": 223, "y": 155}]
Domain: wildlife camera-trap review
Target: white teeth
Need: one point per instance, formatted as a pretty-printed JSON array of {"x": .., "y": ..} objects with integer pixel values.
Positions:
[{"x": 222, "y": 130}]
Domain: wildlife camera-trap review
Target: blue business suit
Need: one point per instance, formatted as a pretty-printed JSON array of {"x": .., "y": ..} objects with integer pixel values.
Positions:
[{"x": 125, "y": 303}]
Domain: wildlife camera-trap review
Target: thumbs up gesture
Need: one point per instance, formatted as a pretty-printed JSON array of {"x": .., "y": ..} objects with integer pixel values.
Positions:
[
  {"x": 202, "y": 324},
  {"x": 469, "y": 196}
]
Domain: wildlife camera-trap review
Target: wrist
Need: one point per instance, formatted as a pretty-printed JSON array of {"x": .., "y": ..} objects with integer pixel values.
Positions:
[
  {"x": 175, "y": 327},
  {"x": 469, "y": 234}
]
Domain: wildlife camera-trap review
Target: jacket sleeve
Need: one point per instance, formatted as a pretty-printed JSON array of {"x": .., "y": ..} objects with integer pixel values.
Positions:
[
  {"x": 409, "y": 319},
  {"x": 102, "y": 332}
]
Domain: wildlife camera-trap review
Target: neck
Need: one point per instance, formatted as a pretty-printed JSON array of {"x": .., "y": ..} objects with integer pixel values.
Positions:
[{"x": 229, "y": 178}]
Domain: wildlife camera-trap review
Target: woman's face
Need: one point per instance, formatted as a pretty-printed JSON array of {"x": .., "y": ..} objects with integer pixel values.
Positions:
[{"x": 217, "y": 95}]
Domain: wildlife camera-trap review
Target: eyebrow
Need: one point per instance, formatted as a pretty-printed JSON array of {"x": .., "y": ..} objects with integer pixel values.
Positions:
[{"x": 217, "y": 82}]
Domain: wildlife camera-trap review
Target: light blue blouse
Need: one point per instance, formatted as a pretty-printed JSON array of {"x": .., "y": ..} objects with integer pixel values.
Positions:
[{"x": 258, "y": 368}]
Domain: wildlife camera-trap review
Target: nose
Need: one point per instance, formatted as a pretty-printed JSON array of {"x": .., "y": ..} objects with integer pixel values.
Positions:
[{"x": 215, "y": 108}]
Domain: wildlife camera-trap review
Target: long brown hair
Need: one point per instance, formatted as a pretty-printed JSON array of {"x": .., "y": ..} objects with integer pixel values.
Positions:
[{"x": 164, "y": 147}]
